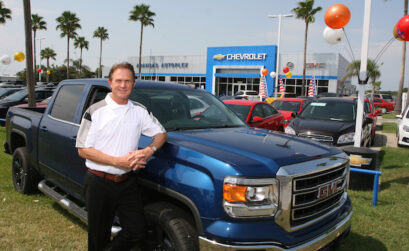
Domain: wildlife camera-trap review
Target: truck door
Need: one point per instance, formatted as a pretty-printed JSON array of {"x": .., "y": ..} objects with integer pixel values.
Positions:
[{"x": 56, "y": 140}]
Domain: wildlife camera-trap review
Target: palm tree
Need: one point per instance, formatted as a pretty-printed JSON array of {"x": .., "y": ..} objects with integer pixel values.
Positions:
[
  {"x": 145, "y": 16},
  {"x": 37, "y": 23},
  {"x": 48, "y": 53},
  {"x": 83, "y": 44},
  {"x": 68, "y": 23},
  {"x": 102, "y": 34},
  {"x": 306, "y": 12},
  {"x": 4, "y": 13},
  {"x": 353, "y": 69},
  {"x": 29, "y": 53}
]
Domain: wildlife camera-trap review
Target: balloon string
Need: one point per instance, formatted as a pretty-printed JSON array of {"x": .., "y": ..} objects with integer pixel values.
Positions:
[
  {"x": 350, "y": 48},
  {"x": 382, "y": 51}
]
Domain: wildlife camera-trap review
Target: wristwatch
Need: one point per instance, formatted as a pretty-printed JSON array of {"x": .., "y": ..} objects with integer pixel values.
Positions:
[{"x": 154, "y": 148}]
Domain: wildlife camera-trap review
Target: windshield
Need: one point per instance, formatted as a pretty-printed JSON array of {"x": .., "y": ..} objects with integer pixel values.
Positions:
[
  {"x": 241, "y": 110},
  {"x": 287, "y": 105},
  {"x": 183, "y": 109},
  {"x": 335, "y": 111},
  {"x": 17, "y": 96}
]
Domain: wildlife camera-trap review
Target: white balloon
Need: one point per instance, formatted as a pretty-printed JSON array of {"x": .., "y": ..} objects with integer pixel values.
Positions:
[
  {"x": 273, "y": 74},
  {"x": 5, "y": 59},
  {"x": 333, "y": 36}
]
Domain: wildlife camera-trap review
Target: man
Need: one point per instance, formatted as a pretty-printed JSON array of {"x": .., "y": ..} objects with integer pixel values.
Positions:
[{"x": 108, "y": 139}]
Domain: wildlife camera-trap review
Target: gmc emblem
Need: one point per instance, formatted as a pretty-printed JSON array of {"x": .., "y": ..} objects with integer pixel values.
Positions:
[{"x": 326, "y": 190}]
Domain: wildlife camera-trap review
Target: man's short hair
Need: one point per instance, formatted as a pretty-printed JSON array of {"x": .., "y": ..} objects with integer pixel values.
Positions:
[{"x": 124, "y": 65}]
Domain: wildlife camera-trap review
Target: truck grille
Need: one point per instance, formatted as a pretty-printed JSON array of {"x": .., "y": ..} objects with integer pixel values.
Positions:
[
  {"x": 317, "y": 137},
  {"x": 316, "y": 194}
]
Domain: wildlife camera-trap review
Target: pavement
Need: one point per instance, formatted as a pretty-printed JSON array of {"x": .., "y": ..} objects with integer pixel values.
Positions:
[{"x": 384, "y": 139}]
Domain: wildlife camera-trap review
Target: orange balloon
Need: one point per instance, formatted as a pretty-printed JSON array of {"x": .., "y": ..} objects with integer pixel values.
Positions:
[
  {"x": 337, "y": 16},
  {"x": 264, "y": 72}
]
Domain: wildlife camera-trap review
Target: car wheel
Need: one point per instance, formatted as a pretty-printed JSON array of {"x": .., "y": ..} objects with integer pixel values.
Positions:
[
  {"x": 25, "y": 178},
  {"x": 169, "y": 229}
]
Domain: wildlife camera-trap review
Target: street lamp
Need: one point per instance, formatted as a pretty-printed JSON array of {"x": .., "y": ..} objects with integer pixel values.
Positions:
[
  {"x": 40, "y": 57},
  {"x": 278, "y": 47}
]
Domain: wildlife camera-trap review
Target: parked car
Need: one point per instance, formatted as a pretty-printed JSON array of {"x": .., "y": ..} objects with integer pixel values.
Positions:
[
  {"x": 20, "y": 97},
  {"x": 387, "y": 97},
  {"x": 289, "y": 106},
  {"x": 232, "y": 97},
  {"x": 257, "y": 114},
  {"x": 42, "y": 104},
  {"x": 250, "y": 95},
  {"x": 403, "y": 128},
  {"x": 4, "y": 92},
  {"x": 384, "y": 105},
  {"x": 281, "y": 95},
  {"x": 331, "y": 121}
]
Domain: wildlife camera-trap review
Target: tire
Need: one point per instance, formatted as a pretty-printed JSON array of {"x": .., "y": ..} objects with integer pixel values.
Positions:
[
  {"x": 168, "y": 229},
  {"x": 25, "y": 178}
]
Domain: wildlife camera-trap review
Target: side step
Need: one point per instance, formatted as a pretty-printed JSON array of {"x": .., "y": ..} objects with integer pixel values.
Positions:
[{"x": 63, "y": 200}]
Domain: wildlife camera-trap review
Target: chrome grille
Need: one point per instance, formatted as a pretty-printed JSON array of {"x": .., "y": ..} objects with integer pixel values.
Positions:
[
  {"x": 317, "y": 137},
  {"x": 316, "y": 194}
]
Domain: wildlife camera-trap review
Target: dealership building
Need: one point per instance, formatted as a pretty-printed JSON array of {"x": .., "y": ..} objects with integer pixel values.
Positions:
[{"x": 226, "y": 70}]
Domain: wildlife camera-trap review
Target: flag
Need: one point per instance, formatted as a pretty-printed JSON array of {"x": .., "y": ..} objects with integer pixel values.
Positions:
[
  {"x": 312, "y": 90},
  {"x": 282, "y": 88},
  {"x": 263, "y": 87}
]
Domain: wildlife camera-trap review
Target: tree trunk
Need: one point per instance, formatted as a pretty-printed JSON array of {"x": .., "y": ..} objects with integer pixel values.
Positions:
[
  {"x": 48, "y": 67},
  {"x": 303, "y": 93},
  {"x": 34, "y": 54},
  {"x": 140, "y": 52},
  {"x": 398, "y": 106},
  {"x": 29, "y": 53},
  {"x": 80, "y": 61},
  {"x": 68, "y": 56},
  {"x": 100, "y": 58}
]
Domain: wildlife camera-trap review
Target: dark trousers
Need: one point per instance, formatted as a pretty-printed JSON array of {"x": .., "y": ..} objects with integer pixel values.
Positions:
[{"x": 105, "y": 199}]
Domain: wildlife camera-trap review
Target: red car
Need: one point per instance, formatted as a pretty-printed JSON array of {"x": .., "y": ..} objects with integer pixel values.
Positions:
[
  {"x": 287, "y": 106},
  {"x": 257, "y": 114},
  {"x": 384, "y": 105}
]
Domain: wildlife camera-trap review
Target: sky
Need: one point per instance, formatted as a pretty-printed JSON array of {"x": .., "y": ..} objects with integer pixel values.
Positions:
[{"x": 188, "y": 27}]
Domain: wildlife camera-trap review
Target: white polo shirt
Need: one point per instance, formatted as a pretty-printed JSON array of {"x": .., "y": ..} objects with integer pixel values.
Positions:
[{"x": 115, "y": 130}]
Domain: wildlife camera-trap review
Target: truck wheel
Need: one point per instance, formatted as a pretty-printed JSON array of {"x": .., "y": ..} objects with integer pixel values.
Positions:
[
  {"x": 168, "y": 229},
  {"x": 25, "y": 178}
]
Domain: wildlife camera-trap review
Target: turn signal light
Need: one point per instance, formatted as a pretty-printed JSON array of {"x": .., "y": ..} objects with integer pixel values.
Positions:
[{"x": 234, "y": 193}]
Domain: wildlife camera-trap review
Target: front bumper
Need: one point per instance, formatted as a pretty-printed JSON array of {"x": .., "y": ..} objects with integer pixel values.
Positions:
[{"x": 320, "y": 241}]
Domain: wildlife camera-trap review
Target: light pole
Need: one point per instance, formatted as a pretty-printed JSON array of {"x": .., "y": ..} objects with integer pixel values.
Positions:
[
  {"x": 278, "y": 48},
  {"x": 40, "y": 58}
]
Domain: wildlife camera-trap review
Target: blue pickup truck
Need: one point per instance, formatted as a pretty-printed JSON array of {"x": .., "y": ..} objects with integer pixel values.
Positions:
[{"x": 215, "y": 185}]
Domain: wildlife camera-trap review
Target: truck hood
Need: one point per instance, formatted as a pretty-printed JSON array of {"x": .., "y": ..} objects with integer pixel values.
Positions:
[{"x": 244, "y": 148}]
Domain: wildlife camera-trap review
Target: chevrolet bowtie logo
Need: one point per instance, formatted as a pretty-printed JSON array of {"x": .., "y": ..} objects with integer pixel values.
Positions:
[
  {"x": 358, "y": 160},
  {"x": 219, "y": 56}
]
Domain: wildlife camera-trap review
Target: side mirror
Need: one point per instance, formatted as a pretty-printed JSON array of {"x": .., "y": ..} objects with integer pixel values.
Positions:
[
  {"x": 378, "y": 112},
  {"x": 257, "y": 119},
  {"x": 368, "y": 120},
  {"x": 293, "y": 114}
]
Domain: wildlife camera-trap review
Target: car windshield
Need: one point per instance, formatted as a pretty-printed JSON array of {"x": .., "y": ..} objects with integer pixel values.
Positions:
[
  {"x": 335, "y": 111},
  {"x": 387, "y": 96},
  {"x": 17, "y": 96},
  {"x": 241, "y": 110},
  {"x": 284, "y": 105},
  {"x": 186, "y": 109}
]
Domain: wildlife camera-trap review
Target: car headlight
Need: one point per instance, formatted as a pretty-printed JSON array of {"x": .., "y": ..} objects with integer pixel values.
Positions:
[
  {"x": 250, "y": 197},
  {"x": 346, "y": 138},
  {"x": 405, "y": 128},
  {"x": 289, "y": 130}
]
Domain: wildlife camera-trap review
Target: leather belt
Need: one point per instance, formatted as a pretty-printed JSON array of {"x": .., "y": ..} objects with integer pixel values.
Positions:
[{"x": 112, "y": 177}]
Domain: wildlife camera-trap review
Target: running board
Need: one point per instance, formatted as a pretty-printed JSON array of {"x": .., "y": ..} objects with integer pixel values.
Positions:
[{"x": 64, "y": 201}]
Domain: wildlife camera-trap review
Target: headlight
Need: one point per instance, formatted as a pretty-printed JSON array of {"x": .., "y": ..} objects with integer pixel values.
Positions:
[
  {"x": 346, "y": 138},
  {"x": 250, "y": 197},
  {"x": 289, "y": 130},
  {"x": 405, "y": 128}
]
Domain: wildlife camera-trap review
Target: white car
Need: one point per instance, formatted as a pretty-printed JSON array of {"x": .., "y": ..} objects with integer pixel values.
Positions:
[
  {"x": 250, "y": 95},
  {"x": 403, "y": 128}
]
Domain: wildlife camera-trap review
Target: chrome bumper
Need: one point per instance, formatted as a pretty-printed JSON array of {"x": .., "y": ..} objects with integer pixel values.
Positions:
[{"x": 318, "y": 242}]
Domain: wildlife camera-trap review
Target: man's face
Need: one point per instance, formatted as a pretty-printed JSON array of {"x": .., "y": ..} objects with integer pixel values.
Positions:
[{"x": 121, "y": 85}]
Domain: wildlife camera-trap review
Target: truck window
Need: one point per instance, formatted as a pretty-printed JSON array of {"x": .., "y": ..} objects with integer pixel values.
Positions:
[
  {"x": 66, "y": 102},
  {"x": 97, "y": 94}
]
